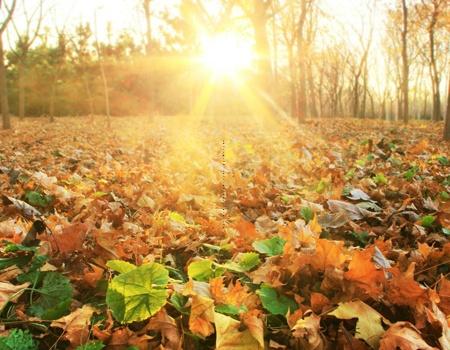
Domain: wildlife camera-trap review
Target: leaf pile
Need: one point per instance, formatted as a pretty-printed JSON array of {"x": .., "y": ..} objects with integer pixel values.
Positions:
[{"x": 236, "y": 234}]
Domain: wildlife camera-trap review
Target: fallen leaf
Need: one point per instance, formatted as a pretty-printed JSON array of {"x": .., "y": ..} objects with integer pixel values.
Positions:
[
  {"x": 76, "y": 325},
  {"x": 404, "y": 336}
]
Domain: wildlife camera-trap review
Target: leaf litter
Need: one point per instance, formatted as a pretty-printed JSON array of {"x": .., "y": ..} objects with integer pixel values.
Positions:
[{"x": 224, "y": 234}]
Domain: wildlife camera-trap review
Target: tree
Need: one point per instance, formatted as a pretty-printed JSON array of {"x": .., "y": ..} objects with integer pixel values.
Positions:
[
  {"x": 405, "y": 63},
  {"x": 432, "y": 17},
  {"x": 447, "y": 116},
  {"x": 3, "y": 85},
  {"x": 25, "y": 40}
]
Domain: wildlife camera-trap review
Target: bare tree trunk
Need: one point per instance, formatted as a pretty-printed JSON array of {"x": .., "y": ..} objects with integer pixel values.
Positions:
[
  {"x": 21, "y": 73},
  {"x": 405, "y": 63},
  {"x": 447, "y": 116},
  {"x": 106, "y": 92},
  {"x": 434, "y": 76},
  {"x": 4, "y": 89},
  {"x": 312, "y": 92},
  {"x": 259, "y": 21},
  {"x": 302, "y": 63}
]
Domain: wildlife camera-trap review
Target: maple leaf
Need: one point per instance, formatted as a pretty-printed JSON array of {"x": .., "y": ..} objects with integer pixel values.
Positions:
[
  {"x": 368, "y": 327},
  {"x": 404, "y": 336},
  {"x": 202, "y": 316},
  {"x": 76, "y": 325},
  {"x": 402, "y": 289},
  {"x": 328, "y": 253},
  {"x": 71, "y": 238},
  {"x": 364, "y": 274},
  {"x": 229, "y": 336}
]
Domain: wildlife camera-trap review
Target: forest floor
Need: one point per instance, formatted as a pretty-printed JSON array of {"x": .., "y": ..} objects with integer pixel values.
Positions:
[{"x": 184, "y": 233}]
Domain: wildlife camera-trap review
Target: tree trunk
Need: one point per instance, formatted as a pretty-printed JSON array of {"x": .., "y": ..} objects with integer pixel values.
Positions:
[
  {"x": 106, "y": 92},
  {"x": 148, "y": 27},
  {"x": 21, "y": 78},
  {"x": 302, "y": 63},
  {"x": 405, "y": 63},
  {"x": 259, "y": 21},
  {"x": 447, "y": 116},
  {"x": 4, "y": 89},
  {"x": 434, "y": 77}
]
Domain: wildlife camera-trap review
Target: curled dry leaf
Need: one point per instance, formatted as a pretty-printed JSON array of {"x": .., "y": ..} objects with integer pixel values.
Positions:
[
  {"x": 10, "y": 292},
  {"x": 307, "y": 330},
  {"x": 76, "y": 325},
  {"x": 403, "y": 336}
]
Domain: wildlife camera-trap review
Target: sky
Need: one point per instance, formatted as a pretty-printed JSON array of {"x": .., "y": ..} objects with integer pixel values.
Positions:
[{"x": 125, "y": 14}]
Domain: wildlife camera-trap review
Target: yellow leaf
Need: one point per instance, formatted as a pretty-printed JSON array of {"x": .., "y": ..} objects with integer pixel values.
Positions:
[
  {"x": 202, "y": 316},
  {"x": 228, "y": 336},
  {"x": 308, "y": 331},
  {"x": 368, "y": 327}
]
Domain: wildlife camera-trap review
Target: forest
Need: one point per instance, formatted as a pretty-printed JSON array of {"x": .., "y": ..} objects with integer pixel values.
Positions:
[{"x": 225, "y": 174}]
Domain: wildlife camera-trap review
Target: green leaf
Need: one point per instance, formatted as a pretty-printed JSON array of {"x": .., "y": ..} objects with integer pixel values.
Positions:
[
  {"x": 138, "y": 294},
  {"x": 37, "y": 199},
  {"x": 92, "y": 345},
  {"x": 18, "y": 340},
  {"x": 380, "y": 179},
  {"x": 443, "y": 160},
  {"x": 230, "y": 309},
  {"x": 446, "y": 231},
  {"x": 321, "y": 186},
  {"x": 427, "y": 220},
  {"x": 274, "y": 302},
  {"x": 174, "y": 216},
  {"x": 361, "y": 237},
  {"x": 411, "y": 172},
  {"x": 120, "y": 266},
  {"x": 55, "y": 297},
  {"x": 445, "y": 196},
  {"x": 201, "y": 270},
  {"x": 179, "y": 301},
  {"x": 307, "y": 214},
  {"x": 248, "y": 261},
  {"x": 273, "y": 246}
]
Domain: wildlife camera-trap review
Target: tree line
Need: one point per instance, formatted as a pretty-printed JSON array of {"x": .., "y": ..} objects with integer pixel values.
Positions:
[{"x": 392, "y": 63}]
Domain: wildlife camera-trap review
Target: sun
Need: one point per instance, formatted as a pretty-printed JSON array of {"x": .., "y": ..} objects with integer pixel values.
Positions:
[{"x": 226, "y": 54}]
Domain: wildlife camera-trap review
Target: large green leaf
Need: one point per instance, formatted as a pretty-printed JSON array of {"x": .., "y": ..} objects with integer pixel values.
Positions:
[
  {"x": 275, "y": 303},
  {"x": 138, "y": 294},
  {"x": 273, "y": 246},
  {"x": 18, "y": 339},
  {"x": 120, "y": 266},
  {"x": 55, "y": 297}
]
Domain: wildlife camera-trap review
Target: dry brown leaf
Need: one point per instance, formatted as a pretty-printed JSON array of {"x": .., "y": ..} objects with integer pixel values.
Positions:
[
  {"x": 76, "y": 325},
  {"x": 403, "y": 336},
  {"x": 202, "y": 316},
  {"x": 10, "y": 292}
]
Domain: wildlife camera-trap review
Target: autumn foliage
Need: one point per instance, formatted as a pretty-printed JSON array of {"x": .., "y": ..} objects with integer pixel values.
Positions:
[{"x": 225, "y": 234}]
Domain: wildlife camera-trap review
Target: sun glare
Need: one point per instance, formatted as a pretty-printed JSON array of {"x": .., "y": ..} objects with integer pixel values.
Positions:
[{"x": 226, "y": 54}]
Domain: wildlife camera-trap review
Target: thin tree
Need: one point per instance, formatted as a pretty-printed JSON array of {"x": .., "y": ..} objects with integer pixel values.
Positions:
[
  {"x": 405, "y": 63},
  {"x": 26, "y": 38},
  {"x": 447, "y": 116},
  {"x": 3, "y": 85},
  {"x": 103, "y": 75}
]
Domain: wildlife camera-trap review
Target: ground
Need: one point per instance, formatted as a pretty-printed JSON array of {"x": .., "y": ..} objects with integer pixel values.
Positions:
[{"x": 247, "y": 233}]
